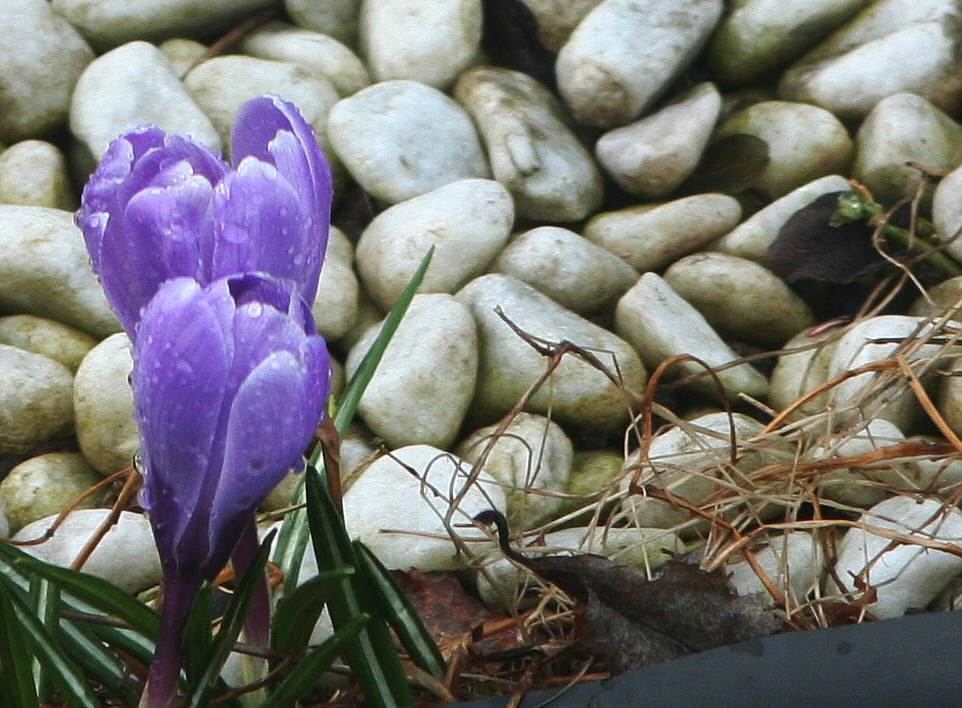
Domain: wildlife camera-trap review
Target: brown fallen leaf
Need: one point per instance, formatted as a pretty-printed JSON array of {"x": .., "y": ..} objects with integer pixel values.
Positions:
[
  {"x": 632, "y": 621},
  {"x": 446, "y": 608}
]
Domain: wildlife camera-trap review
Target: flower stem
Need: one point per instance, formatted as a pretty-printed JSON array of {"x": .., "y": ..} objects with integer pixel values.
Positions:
[
  {"x": 258, "y": 623},
  {"x": 161, "y": 689}
]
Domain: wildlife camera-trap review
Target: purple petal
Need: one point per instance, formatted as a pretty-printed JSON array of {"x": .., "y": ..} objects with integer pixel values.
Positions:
[
  {"x": 131, "y": 259},
  {"x": 100, "y": 195},
  {"x": 274, "y": 131},
  {"x": 279, "y": 294},
  {"x": 268, "y": 430},
  {"x": 158, "y": 241},
  {"x": 260, "y": 225},
  {"x": 179, "y": 380}
]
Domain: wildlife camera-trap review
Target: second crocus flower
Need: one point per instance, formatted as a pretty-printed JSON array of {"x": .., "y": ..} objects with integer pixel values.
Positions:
[{"x": 161, "y": 206}]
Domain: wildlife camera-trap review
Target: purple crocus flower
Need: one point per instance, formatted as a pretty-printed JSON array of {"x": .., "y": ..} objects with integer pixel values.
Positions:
[
  {"x": 229, "y": 383},
  {"x": 161, "y": 206}
]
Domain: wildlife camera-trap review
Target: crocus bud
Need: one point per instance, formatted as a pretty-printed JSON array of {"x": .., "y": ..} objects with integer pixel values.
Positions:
[
  {"x": 160, "y": 206},
  {"x": 229, "y": 384}
]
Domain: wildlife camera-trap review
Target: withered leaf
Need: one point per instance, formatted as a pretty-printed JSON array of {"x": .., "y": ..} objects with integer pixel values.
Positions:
[
  {"x": 679, "y": 611},
  {"x": 446, "y": 609},
  {"x": 808, "y": 247},
  {"x": 632, "y": 621}
]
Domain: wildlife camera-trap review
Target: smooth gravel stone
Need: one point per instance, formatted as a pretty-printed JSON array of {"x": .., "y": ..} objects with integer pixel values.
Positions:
[
  {"x": 751, "y": 238},
  {"x": 576, "y": 394},
  {"x": 942, "y": 475},
  {"x": 592, "y": 471},
  {"x": 858, "y": 348},
  {"x": 908, "y": 576},
  {"x": 799, "y": 372},
  {"x": 104, "y": 406},
  {"x": 625, "y": 53},
  {"x": 653, "y": 156},
  {"x": 398, "y": 506},
  {"x": 758, "y": 37},
  {"x": 368, "y": 314},
  {"x": 890, "y": 47},
  {"x": 858, "y": 486},
  {"x": 34, "y": 173},
  {"x": 335, "y": 305},
  {"x": 949, "y": 399},
  {"x": 646, "y": 548},
  {"x": 467, "y": 221},
  {"x": 45, "y": 270},
  {"x": 126, "y": 555},
  {"x": 793, "y": 562},
  {"x": 41, "y": 56},
  {"x": 947, "y": 212},
  {"x": 941, "y": 297},
  {"x": 532, "y": 459},
  {"x": 425, "y": 381},
  {"x": 400, "y": 139},
  {"x": 35, "y": 402},
  {"x": 222, "y": 84},
  {"x": 107, "y": 23},
  {"x": 660, "y": 324},
  {"x": 901, "y": 128},
  {"x": 569, "y": 269},
  {"x": 740, "y": 299},
  {"x": 316, "y": 52},
  {"x": 183, "y": 53},
  {"x": 688, "y": 463},
  {"x": 532, "y": 152},
  {"x": 430, "y": 42},
  {"x": 804, "y": 143},
  {"x": 41, "y": 336},
  {"x": 650, "y": 236},
  {"x": 335, "y": 19},
  {"x": 556, "y": 19},
  {"x": 134, "y": 84},
  {"x": 46, "y": 485}
]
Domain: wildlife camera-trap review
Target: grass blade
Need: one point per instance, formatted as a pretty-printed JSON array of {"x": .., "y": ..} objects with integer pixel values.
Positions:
[
  {"x": 98, "y": 662},
  {"x": 17, "y": 688},
  {"x": 347, "y": 406},
  {"x": 68, "y": 679},
  {"x": 84, "y": 642},
  {"x": 296, "y": 614},
  {"x": 316, "y": 662},
  {"x": 292, "y": 540},
  {"x": 231, "y": 624},
  {"x": 45, "y": 602},
  {"x": 372, "y": 655},
  {"x": 99, "y": 593},
  {"x": 400, "y": 613},
  {"x": 197, "y": 636}
]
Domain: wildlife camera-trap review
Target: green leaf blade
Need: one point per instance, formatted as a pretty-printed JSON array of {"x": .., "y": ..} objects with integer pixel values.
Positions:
[
  {"x": 400, "y": 613},
  {"x": 99, "y": 593},
  {"x": 231, "y": 625},
  {"x": 67, "y": 677},
  {"x": 17, "y": 688},
  {"x": 316, "y": 662}
]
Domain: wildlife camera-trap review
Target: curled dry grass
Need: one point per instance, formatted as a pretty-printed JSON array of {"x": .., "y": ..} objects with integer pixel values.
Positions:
[{"x": 749, "y": 508}]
